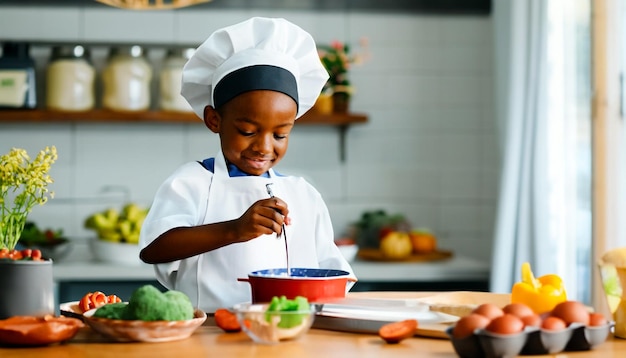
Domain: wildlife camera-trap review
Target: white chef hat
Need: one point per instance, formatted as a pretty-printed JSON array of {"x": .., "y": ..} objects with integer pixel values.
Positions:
[{"x": 257, "y": 54}]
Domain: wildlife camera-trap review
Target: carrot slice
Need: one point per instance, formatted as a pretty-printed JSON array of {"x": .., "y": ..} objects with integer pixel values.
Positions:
[
  {"x": 85, "y": 302},
  {"x": 226, "y": 320},
  {"x": 113, "y": 299},
  {"x": 98, "y": 299},
  {"x": 397, "y": 331}
]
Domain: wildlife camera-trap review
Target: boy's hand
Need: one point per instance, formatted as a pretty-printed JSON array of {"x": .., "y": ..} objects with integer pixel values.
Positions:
[{"x": 264, "y": 217}]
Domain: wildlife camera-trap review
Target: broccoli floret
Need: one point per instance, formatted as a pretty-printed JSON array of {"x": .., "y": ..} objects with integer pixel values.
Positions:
[
  {"x": 179, "y": 306},
  {"x": 112, "y": 311},
  {"x": 147, "y": 303}
]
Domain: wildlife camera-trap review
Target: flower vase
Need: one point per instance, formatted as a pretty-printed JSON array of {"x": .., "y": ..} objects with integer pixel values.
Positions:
[
  {"x": 26, "y": 288},
  {"x": 341, "y": 102}
]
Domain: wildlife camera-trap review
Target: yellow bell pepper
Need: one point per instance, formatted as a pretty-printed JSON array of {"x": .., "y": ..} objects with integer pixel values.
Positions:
[{"x": 541, "y": 294}]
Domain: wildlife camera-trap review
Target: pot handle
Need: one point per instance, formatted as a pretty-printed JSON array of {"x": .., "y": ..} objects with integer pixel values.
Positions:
[
  {"x": 243, "y": 279},
  {"x": 352, "y": 279}
]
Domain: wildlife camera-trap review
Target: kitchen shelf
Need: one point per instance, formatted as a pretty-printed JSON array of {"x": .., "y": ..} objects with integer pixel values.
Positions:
[
  {"x": 20, "y": 116},
  {"x": 101, "y": 115}
]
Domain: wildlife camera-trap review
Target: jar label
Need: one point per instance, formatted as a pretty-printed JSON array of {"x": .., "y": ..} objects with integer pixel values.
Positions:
[{"x": 13, "y": 87}]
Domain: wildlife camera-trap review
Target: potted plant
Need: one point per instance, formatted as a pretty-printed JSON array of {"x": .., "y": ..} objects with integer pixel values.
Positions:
[
  {"x": 25, "y": 278},
  {"x": 337, "y": 60}
]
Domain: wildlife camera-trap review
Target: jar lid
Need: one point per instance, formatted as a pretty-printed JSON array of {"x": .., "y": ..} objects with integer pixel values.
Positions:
[
  {"x": 70, "y": 51},
  {"x": 132, "y": 51},
  {"x": 15, "y": 49}
]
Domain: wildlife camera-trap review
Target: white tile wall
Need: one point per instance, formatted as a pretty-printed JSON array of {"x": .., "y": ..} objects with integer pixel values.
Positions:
[{"x": 429, "y": 149}]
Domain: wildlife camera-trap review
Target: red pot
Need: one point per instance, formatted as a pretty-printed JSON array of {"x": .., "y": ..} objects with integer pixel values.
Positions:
[{"x": 314, "y": 284}]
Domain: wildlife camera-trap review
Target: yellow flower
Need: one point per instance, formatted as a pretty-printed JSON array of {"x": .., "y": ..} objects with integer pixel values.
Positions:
[{"x": 23, "y": 184}]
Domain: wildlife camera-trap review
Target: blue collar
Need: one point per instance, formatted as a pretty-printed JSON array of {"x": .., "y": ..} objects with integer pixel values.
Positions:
[{"x": 233, "y": 171}]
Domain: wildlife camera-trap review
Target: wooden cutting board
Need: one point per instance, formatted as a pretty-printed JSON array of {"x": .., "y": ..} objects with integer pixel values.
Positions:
[
  {"x": 364, "y": 326},
  {"x": 367, "y": 316}
]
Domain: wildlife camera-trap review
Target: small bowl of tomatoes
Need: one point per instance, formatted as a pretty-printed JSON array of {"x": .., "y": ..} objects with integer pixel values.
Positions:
[{"x": 52, "y": 243}]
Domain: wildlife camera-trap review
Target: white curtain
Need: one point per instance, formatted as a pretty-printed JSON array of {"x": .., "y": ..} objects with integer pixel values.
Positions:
[{"x": 535, "y": 103}]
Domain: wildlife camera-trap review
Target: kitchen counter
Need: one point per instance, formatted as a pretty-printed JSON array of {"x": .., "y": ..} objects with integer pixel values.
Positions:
[
  {"x": 80, "y": 273},
  {"x": 209, "y": 340},
  {"x": 80, "y": 266}
]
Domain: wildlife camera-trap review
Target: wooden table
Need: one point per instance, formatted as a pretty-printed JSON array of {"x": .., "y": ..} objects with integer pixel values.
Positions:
[{"x": 210, "y": 341}]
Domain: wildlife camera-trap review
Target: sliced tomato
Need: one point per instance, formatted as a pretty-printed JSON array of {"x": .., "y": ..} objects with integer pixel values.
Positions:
[
  {"x": 397, "y": 331},
  {"x": 226, "y": 320}
]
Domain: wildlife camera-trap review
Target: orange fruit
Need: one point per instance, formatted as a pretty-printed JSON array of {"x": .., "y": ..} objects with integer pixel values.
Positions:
[{"x": 423, "y": 241}]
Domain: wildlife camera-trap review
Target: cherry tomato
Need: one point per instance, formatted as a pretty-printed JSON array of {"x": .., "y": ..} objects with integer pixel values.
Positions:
[
  {"x": 226, "y": 320},
  {"x": 36, "y": 255},
  {"x": 397, "y": 331},
  {"x": 27, "y": 253},
  {"x": 4, "y": 253}
]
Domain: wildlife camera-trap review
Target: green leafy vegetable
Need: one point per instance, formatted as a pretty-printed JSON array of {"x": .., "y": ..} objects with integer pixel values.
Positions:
[{"x": 282, "y": 304}]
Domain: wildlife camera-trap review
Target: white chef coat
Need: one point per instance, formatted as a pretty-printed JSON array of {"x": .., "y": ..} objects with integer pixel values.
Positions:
[{"x": 193, "y": 195}]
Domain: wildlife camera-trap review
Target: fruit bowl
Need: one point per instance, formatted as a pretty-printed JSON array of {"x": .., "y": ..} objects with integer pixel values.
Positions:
[
  {"x": 349, "y": 251},
  {"x": 273, "y": 327},
  {"x": 115, "y": 252}
]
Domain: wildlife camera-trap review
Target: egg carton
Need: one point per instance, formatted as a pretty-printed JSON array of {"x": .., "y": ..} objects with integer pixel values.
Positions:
[{"x": 531, "y": 341}]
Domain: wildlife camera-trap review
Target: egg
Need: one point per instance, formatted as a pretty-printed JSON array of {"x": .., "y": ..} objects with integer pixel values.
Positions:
[
  {"x": 597, "y": 319},
  {"x": 552, "y": 323},
  {"x": 518, "y": 309},
  {"x": 532, "y": 320},
  {"x": 505, "y": 324},
  {"x": 488, "y": 310},
  {"x": 570, "y": 312},
  {"x": 466, "y": 325}
]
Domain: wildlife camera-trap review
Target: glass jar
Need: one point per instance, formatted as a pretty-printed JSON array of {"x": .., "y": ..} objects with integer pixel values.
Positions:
[
  {"x": 170, "y": 80},
  {"x": 126, "y": 79},
  {"x": 17, "y": 76},
  {"x": 70, "y": 79}
]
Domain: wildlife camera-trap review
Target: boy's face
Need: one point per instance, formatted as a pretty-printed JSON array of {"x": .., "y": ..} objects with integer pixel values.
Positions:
[{"x": 254, "y": 129}]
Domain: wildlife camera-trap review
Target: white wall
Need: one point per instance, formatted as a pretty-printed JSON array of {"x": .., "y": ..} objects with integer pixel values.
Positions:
[{"x": 428, "y": 150}]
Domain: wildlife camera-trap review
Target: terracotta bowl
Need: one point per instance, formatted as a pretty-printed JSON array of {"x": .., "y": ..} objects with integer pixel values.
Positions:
[
  {"x": 144, "y": 331},
  {"x": 37, "y": 331}
]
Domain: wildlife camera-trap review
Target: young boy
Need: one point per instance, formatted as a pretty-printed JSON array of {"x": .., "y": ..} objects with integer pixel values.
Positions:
[{"x": 213, "y": 221}]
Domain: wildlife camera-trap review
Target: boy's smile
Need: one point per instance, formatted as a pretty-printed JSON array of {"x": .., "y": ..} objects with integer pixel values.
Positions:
[{"x": 254, "y": 129}]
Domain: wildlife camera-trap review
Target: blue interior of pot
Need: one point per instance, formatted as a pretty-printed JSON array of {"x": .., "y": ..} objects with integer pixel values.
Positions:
[{"x": 299, "y": 272}]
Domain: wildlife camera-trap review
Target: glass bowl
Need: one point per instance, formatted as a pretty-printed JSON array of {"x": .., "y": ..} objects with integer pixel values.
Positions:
[
  {"x": 272, "y": 327},
  {"x": 612, "y": 267}
]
